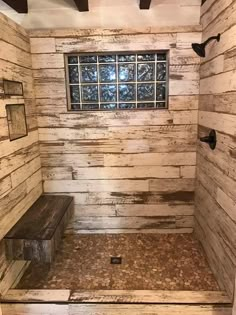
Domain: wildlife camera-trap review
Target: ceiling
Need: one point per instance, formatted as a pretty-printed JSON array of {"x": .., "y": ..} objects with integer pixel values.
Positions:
[
  {"x": 103, "y": 13},
  {"x": 82, "y": 5}
]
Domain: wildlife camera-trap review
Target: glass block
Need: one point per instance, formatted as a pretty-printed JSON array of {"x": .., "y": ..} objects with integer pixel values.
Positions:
[
  {"x": 72, "y": 59},
  {"x": 90, "y": 106},
  {"x": 109, "y": 106},
  {"x": 127, "y": 105},
  {"x": 107, "y": 73},
  {"x": 146, "y": 72},
  {"x": 89, "y": 74},
  {"x": 107, "y": 58},
  {"x": 146, "y": 57},
  {"x": 88, "y": 59},
  {"x": 108, "y": 93},
  {"x": 161, "y": 56},
  {"x": 73, "y": 74},
  {"x": 127, "y": 72},
  {"x": 75, "y": 106},
  {"x": 161, "y": 105},
  {"x": 160, "y": 92},
  {"x": 126, "y": 58},
  {"x": 161, "y": 71},
  {"x": 146, "y": 105},
  {"x": 74, "y": 94},
  {"x": 146, "y": 92},
  {"x": 127, "y": 92},
  {"x": 89, "y": 93}
]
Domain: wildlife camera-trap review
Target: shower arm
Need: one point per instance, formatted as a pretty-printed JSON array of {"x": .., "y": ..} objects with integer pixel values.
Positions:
[{"x": 211, "y": 39}]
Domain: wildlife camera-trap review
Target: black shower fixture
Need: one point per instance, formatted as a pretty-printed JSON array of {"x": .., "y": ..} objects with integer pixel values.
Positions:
[
  {"x": 200, "y": 48},
  {"x": 211, "y": 139}
]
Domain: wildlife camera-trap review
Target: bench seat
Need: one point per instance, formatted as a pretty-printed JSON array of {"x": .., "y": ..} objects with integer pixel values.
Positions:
[{"x": 37, "y": 235}]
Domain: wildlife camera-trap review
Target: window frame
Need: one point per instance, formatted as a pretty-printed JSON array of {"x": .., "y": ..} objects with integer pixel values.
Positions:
[{"x": 136, "y": 52}]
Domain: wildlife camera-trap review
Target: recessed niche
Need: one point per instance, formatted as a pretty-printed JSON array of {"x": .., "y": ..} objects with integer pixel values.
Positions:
[
  {"x": 12, "y": 88},
  {"x": 16, "y": 121}
]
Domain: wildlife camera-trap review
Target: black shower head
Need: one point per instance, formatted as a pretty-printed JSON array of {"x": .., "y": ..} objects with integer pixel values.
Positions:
[{"x": 200, "y": 49}]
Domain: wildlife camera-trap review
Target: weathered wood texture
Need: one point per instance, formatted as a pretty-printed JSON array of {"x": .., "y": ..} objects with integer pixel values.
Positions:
[
  {"x": 37, "y": 235},
  {"x": 216, "y": 177},
  {"x": 128, "y": 170},
  {"x": 114, "y": 309},
  {"x": 117, "y": 296},
  {"x": 20, "y": 174},
  {"x": 234, "y": 303}
]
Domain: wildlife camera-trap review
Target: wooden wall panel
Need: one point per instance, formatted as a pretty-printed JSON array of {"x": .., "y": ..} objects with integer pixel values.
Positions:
[
  {"x": 142, "y": 161},
  {"x": 20, "y": 166},
  {"x": 114, "y": 309},
  {"x": 215, "y": 215}
]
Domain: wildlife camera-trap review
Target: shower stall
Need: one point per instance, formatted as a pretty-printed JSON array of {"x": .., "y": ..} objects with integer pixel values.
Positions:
[{"x": 139, "y": 132}]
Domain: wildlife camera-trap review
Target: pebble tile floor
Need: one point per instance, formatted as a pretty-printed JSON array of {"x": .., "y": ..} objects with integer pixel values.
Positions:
[{"x": 149, "y": 261}]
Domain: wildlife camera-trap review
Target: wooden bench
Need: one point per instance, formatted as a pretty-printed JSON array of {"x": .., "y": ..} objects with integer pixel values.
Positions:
[{"x": 37, "y": 235}]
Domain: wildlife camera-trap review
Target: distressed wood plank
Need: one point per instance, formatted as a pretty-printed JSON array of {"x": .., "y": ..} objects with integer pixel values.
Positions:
[
  {"x": 154, "y": 210},
  {"x": 117, "y": 119},
  {"x": 126, "y": 172},
  {"x": 118, "y": 133},
  {"x": 51, "y": 61},
  {"x": 78, "y": 32},
  {"x": 118, "y": 296},
  {"x": 41, "y": 46},
  {"x": 138, "y": 223},
  {"x": 141, "y": 159},
  {"x": 134, "y": 197},
  {"x": 112, "y": 309},
  {"x": 130, "y": 231},
  {"x": 123, "y": 42},
  {"x": 152, "y": 296},
  {"x": 95, "y": 185},
  {"x": 186, "y": 184}
]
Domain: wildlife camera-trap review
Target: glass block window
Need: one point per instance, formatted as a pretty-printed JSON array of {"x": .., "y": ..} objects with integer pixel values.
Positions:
[{"x": 117, "y": 81}]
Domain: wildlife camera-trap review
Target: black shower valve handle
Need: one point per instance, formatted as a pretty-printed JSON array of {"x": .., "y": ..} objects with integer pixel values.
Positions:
[
  {"x": 210, "y": 139},
  {"x": 207, "y": 139}
]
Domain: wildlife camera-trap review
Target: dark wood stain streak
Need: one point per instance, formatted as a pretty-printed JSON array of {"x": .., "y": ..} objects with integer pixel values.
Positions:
[
  {"x": 176, "y": 76},
  {"x": 184, "y": 196}
]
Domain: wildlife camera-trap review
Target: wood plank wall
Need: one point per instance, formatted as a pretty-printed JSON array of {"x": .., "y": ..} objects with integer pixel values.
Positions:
[
  {"x": 216, "y": 170},
  {"x": 20, "y": 174},
  {"x": 129, "y": 171}
]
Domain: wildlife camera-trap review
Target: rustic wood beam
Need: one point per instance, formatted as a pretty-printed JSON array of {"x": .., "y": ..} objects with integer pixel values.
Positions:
[
  {"x": 82, "y": 5},
  {"x": 144, "y": 4},
  {"x": 21, "y": 6}
]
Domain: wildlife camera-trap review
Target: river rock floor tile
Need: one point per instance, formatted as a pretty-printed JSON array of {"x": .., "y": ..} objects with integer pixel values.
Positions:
[{"x": 149, "y": 262}]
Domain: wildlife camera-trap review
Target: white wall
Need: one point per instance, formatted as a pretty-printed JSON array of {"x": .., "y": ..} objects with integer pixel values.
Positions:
[{"x": 106, "y": 14}]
